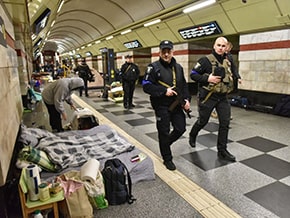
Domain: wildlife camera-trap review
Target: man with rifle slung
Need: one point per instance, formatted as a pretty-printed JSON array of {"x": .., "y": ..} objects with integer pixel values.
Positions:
[
  {"x": 215, "y": 81},
  {"x": 160, "y": 81}
]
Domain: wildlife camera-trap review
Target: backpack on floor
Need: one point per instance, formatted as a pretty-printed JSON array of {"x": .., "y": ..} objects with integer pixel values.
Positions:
[
  {"x": 282, "y": 108},
  {"x": 117, "y": 182}
]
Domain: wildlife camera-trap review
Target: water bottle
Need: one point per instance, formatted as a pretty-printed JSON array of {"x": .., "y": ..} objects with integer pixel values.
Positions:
[{"x": 37, "y": 214}]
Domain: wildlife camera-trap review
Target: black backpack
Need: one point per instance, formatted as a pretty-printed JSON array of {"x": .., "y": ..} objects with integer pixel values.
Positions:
[
  {"x": 117, "y": 189},
  {"x": 282, "y": 108}
]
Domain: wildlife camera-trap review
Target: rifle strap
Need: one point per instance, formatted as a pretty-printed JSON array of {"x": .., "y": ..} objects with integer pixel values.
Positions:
[
  {"x": 127, "y": 68},
  {"x": 208, "y": 94},
  {"x": 173, "y": 80},
  {"x": 164, "y": 84}
]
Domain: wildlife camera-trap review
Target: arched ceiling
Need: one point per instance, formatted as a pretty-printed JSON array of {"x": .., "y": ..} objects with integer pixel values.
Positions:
[{"x": 85, "y": 25}]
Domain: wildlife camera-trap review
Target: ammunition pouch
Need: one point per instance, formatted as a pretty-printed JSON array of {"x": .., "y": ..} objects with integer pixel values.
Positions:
[
  {"x": 219, "y": 71},
  {"x": 223, "y": 70}
]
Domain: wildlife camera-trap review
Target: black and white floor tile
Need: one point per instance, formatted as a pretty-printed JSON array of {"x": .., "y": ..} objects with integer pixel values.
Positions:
[{"x": 256, "y": 185}]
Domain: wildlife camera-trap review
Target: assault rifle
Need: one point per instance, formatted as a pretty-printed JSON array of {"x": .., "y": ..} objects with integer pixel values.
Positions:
[{"x": 179, "y": 101}]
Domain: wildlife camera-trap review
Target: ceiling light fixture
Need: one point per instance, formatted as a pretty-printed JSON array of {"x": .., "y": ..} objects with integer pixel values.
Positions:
[
  {"x": 198, "y": 5},
  {"x": 109, "y": 37},
  {"x": 126, "y": 31},
  {"x": 61, "y": 4},
  {"x": 152, "y": 22},
  {"x": 98, "y": 41}
]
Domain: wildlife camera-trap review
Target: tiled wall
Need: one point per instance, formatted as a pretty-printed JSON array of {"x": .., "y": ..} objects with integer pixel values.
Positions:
[
  {"x": 22, "y": 67},
  {"x": 10, "y": 98},
  {"x": 264, "y": 61}
]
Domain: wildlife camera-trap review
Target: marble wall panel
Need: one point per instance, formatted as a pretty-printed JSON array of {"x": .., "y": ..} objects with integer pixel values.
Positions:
[
  {"x": 10, "y": 101},
  {"x": 264, "y": 61}
]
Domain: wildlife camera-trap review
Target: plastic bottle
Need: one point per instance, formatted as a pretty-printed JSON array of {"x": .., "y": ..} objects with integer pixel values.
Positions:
[{"x": 37, "y": 214}]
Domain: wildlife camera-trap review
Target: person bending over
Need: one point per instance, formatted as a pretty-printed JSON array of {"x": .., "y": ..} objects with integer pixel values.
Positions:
[{"x": 55, "y": 94}]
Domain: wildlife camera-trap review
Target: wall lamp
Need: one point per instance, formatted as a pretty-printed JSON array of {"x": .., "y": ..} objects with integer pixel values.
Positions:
[{"x": 198, "y": 5}]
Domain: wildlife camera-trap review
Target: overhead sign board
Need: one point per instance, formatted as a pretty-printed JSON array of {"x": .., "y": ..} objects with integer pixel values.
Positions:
[
  {"x": 41, "y": 22},
  {"x": 132, "y": 44},
  {"x": 206, "y": 29}
]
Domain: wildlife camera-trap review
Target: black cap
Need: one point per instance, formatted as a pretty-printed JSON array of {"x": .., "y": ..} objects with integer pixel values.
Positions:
[
  {"x": 166, "y": 44},
  {"x": 128, "y": 56}
]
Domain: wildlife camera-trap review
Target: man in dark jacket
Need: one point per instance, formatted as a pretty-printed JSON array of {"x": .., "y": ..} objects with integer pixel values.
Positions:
[
  {"x": 215, "y": 81},
  {"x": 54, "y": 94},
  {"x": 129, "y": 74},
  {"x": 164, "y": 81},
  {"x": 85, "y": 73}
]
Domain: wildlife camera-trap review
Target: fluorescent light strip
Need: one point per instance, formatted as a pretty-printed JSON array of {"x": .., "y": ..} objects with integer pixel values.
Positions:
[
  {"x": 61, "y": 4},
  {"x": 152, "y": 22},
  {"x": 98, "y": 41},
  {"x": 126, "y": 31},
  {"x": 53, "y": 22},
  {"x": 199, "y": 5},
  {"x": 109, "y": 37}
]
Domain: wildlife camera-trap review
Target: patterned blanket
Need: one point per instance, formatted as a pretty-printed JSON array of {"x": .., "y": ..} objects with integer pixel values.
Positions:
[{"x": 73, "y": 148}]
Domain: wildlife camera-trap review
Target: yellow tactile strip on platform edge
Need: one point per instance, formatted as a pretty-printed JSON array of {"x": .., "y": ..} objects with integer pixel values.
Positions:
[{"x": 202, "y": 201}]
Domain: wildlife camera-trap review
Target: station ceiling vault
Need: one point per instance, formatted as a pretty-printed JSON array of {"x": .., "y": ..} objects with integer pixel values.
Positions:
[{"x": 89, "y": 25}]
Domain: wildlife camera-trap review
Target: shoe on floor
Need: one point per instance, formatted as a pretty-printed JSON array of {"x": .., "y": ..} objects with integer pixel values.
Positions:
[
  {"x": 192, "y": 141},
  {"x": 225, "y": 155},
  {"x": 169, "y": 165}
]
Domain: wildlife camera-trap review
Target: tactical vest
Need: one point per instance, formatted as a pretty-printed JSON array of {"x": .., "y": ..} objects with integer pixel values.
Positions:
[{"x": 227, "y": 84}]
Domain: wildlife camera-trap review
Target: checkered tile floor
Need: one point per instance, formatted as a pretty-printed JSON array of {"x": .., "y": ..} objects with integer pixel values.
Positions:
[{"x": 257, "y": 185}]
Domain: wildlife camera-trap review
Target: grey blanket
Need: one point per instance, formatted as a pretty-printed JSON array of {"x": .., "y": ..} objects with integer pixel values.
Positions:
[{"x": 73, "y": 148}]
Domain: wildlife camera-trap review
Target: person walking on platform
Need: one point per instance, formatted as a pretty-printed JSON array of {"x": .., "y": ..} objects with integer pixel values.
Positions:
[
  {"x": 236, "y": 76},
  {"x": 130, "y": 74},
  {"x": 164, "y": 81},
  {"x": 215, "y": 81},
  {"x": 54, "y": 94},
  {"x": 85, "y": 73}
]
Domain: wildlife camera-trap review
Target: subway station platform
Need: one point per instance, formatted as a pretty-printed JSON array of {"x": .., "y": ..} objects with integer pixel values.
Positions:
[{"x": 255, "y": 186}]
